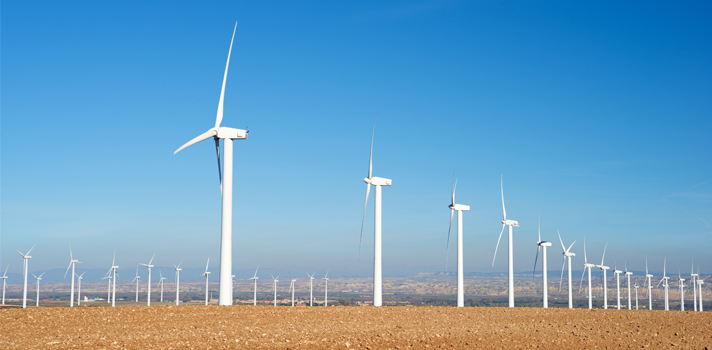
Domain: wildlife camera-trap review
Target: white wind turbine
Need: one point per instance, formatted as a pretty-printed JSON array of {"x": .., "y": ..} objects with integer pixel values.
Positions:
[
  {"x": 694, "y": 277},
  {"x": 149, "y": 266},
  {"x": 649, "y": 277},
  {"x": 567, "y": 254},
  {"x": 603, "y": 276},
  {"x": 4, "y": 284},
  {"x": 618, "y": 282},
  {"x": 311, "y": 288},
  {"x": 510, "y": 223},
  {"x": 108, "y": 289},
  {"x": 24, "y": 271},
  {"x": 665, "y": 284},
  {"x": 542, "y": 244},
  {"x": 255, "y": 278},
  {"x": 636, "y": 295},
  {"x": 39, "y": 278},
  {"x": 628, "y": 274},
  {"x": 681, "y": 285},
  {"x": 72, "y": 262},
  {"x": 378, "y": 182},
  {"x": 112, "y": 271},
  {"x": 326, "y": 288},
  {"x": 137, "y": 279},
  {"x": 178, "y": 270},
  {"x": 161, "y": 282},
  {"x": 274, "y": 281},
  {"x": 291, "y": 286},
  {"x": 586, "y": 266},
  {"x": 207, "y": 274},
  {"x": 79, "y": 288},
  {"x": 700, "y": 282},
  {"x": 227, "y": 135},
  {"x": 460, "y": 270}
]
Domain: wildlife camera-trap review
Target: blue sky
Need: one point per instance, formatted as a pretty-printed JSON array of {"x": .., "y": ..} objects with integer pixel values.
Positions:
[{"x": 596, "y": 114}]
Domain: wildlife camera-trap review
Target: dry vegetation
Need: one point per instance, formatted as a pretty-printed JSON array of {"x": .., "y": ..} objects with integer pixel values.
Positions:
[{"x": 215, "y": 327}]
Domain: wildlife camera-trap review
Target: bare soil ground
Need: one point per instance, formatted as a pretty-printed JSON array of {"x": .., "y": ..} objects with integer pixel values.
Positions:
[{"x": 267, "y": 327}]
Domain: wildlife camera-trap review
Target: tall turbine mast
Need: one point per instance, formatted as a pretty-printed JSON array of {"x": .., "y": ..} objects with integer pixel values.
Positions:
[
  {"x": 510, "y": 223},
  {"x": 460, "y": 269},
  {"x": 542, "y": 244},
  {"x": 567, "y": 256}
]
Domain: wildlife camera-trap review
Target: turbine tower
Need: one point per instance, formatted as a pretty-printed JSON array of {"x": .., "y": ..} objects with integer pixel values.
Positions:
[
  {"x": 618, "y": 282},
  {"x": 137, "y": 279},
  {"x": 4, "y": 284},
  {"x": 603, "y": 276},
  {"x": 112, "y": 270},
  {"x": 628, "y": 274},
  {"x": 649, "y": 277},
  {"x": 567, "y": 254},
  {"x": 510, "y": 223},
  {"x": 72, "y": 262},
  {"x": 681, "y": 285},
  {"x": 694, "y": 277},
  {"x": 149, "y": 266},
  {"x": 700, "y": 283},
  {"x": 291, "y": 286},
  {"x": 311, "y": 288},
  {"x": 178, "y": 270},
  {"x": 255, "y": 278},
  {"x": 377, "y": 182},
  {"x": 274, "y": 281},
  {"x": 227, "y": 135},
  {"x": 108, "y": 289},
  {"x": 39, "y": 278},
  {"x": 161, "y": 282},
  {"x": 542, "y": 244},
  {"x": 586, "y": 266},
  {"x": 636, "y": 296},
  {"x": 79, "y": 289},
  {"x": 207, "y": 275},
  {"x": 460, "y": 270},
  {"x": 26, "y": 257},
  {"x": 665, "y": 284},
  {"x": 326, "y": 288}
]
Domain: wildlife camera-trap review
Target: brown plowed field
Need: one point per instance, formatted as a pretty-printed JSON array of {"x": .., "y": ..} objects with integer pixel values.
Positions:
[{"x": 216, "y": 327}]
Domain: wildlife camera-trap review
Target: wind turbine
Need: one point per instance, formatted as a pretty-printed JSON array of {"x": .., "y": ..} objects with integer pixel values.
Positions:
[
  {"x": 628, "y": 274},
  {"x": 618, "y": 282},
  {"x": 291, "y": 286},
  {"x": 326, "y": 288},
  {"x": 207, "y": 274},
  {"x": 4, "y": 284},
  {"x": 694, "y": 277},
  {"x": 603, "y": 272},
  {"x": 681, "y": 285},
  {"x": 178, "y": 270},
  {"x": 149, "y": 266},
  {"x": 459, "y": 208},
  {"x": 112, "y": 270},
  {"x": 137, "y": 279},
  {"x": 510, "y": 223},
  {"x": 39, "y": 278},
  {"x": 161, "y": 282},
  {"x": 79, "y": 289},
  {"x": 700, "y": 282},
  {"x": 377, "y": 182},
  {"x": 588, "y": 266},
  {"x": 255, "y": 278},
  {"x": 24, "y": 271},
  {"x": 649, "y": 277},
  {"x": 665, "y": 279},
  {"x": 636, "y": 296},
  {"x": 567, "y": 254},
  {"x": 275, "y": 280},
  {"x": 227, "y": 135},
  {"x": 311, "y": 288},
  {"x": 72, "y": 262},
  {"x": 108, "y": 289},
  {"x": 542, "y": 244}
]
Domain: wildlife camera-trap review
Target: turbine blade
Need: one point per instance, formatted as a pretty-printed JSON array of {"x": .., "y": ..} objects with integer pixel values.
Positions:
[
  {"x": 585, "y": 259},
  {"x": 217, "y": 151},
  {"x": 535, "y": 259},
  {"x": 370, "y": 157},
  {"x": 664, "y": 266},
  {"x": 23, "y": 255},
  {"x": 206, "y": 265},
  {"x": 368, "y": 190},
  {"x": 604, "y": 254},
  {"x": 562, "y": 242},
  {"x": 454, "y": 189},
  {"x": 646, "y": 265},
  {"x": 563, "y": 266},
  {"x": 65, "y": 273},
  {"x": 581, "y": 284},
  {"x": 539, "y": 226},
  {"x": 70, "y": 252},
  {"x": 327, "y": 273},
  {"x": 204, "y": 136},
  {"x": 113, "y": 261},
  {"x": 501, "y": 186},
  {"x": 219, "y": 117},
  {"x": 6, "y": 267},
  {"x": 572, "y": 244},
  {"x": 258, "y": 267},
  {"x": 497, "y": 247},
  {"x": 33, "y": 247},
  {"x": 150, "y": 261},
  {"x": 447, "y": 247},
  {"x": 44, "y": 273}
]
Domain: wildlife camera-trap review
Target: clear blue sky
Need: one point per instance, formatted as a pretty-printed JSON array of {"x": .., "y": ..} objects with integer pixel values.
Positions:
[{"x": 597, "y": 114}]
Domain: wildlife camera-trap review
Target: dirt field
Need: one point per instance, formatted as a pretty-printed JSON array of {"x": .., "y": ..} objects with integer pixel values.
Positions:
[{"x": 215, "y": 327}]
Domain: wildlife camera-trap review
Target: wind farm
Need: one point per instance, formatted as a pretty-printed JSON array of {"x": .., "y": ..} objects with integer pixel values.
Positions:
[{"x": 596, "y": 116}]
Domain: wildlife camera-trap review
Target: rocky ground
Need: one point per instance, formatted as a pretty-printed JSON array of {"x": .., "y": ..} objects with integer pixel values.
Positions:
[{"x": 267, "y": 327}]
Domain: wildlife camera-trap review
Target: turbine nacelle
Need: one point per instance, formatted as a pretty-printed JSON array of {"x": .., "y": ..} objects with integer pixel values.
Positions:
[
  {"x": 544, "y": 244},
  {"x": 459, "y": 207},
  {"x": 378, "y": 181},
  {"x": 514, "y": 223},
  {"x": 603, "y": 267},
  {"x": 590, "y": 266},
  {"x": 617, "y": 271}
]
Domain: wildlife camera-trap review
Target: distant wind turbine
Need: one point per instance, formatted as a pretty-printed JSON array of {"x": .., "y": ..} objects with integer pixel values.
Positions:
[
  {"x": 275, "y": 280},
  {"x": 664, "y": 281},
  {"x": 618, "y": 282},
  {"x": 628, "y": 274},
  {"x": 377, "y": 182},
  {"x": 79, "y": 289},
  {"x": 542, "y": 244},
  {"x": 108, "y": 289},
  {"x": 227, "y": 135},
  {"x": 694, "y": 276},
  {"x": 161, "y": 282},
  {"x": 649, "y": 277},
  {"x": 255, "y": 278},
  {"x": 681, "y": 285},
  {"x": 207, "y": 274},
  {"x": 567, "y": 254},
  {"x": 178, "y": 270},
  {"x": 72, "y": 262},
  {"x": 700, "y": 282},
  {"x": 604, "y": 269},
  {"x": 587, "y": 266},
  {"x": 460, "y": 269},
  {"x": 311, "y": 288},
  {"x": 636, "y": 296},
  {"x": 291, "y": 286},
  {"x": 326, "y": 288},
  {"x": 26, "y": 257},
  {"x": 137, "y": 279},
  {"x": 510, "y": 223},
  {"x": 111, "y": 271},
  {"x": 149, "y": 266},
  {"x": 4, "y": 284},
  {"x": 39, "y": 278}
]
